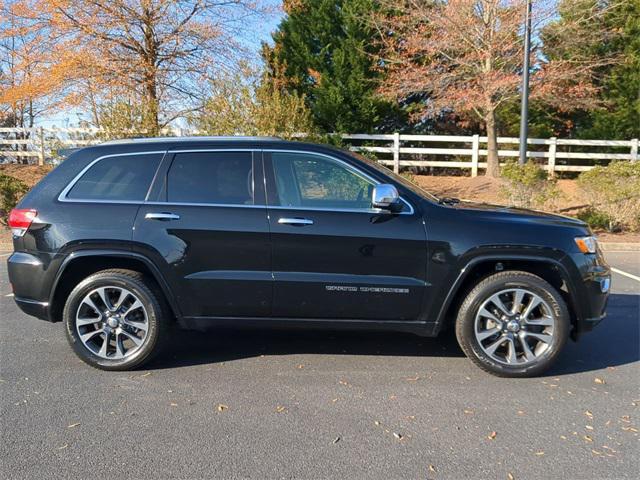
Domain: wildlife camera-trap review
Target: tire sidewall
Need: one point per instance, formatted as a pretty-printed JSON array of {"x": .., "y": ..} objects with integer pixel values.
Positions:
[
  {"x": 145, "y": 296},
  {"x": 488, "y": 287}
]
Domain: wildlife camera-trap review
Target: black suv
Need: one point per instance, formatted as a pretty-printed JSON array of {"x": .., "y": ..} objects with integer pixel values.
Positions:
[{"x": 125, "y": 239}]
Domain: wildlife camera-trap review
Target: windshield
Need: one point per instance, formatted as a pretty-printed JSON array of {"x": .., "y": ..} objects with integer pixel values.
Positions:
[{"x": 398, "y": 178}]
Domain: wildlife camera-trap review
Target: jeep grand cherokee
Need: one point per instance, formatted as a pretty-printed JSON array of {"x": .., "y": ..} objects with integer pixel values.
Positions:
[{"x": 124, "y": 239}]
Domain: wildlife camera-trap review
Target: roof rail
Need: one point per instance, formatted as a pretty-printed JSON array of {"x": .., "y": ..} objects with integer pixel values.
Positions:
[{"x": 191, "y": 139}]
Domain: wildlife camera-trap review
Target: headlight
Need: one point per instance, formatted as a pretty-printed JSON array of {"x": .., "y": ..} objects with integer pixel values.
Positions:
[{"x": 587, "y": 244}]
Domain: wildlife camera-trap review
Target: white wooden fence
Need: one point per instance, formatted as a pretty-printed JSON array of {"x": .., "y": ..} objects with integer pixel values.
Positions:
[
  {"x": 408, "y": 150},
  {"x": 395, "y": 150}
]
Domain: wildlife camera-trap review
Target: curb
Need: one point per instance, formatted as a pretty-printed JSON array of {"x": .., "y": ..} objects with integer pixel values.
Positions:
[{"x": 620, "y": 247}]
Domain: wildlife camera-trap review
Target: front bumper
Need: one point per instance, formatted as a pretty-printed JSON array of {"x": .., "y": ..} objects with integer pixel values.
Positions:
[{"x": 593, "y": 296}]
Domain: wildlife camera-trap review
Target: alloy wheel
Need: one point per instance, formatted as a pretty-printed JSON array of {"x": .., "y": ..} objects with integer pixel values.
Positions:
[
  {"x": 515, "y": 326},
  {"x": 112, "y": 322}
]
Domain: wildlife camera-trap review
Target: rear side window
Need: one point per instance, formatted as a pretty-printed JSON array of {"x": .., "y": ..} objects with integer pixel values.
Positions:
[
  {"x": 224, "y": 178},
  {"x": 123, "y": 178}
]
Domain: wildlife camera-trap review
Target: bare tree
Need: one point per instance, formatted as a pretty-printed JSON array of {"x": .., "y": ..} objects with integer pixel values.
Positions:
[
  {"x": 161, "y": 51},
  {"x": 466, "y": 56}
]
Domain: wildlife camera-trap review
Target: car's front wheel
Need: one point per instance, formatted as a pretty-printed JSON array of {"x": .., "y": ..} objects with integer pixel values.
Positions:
[
  {"x": 115, "y": 319},
  {"x": 513, "y": 324}
]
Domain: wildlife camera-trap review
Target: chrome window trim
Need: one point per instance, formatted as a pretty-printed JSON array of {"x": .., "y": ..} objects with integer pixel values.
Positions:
[
  {"x": 195, "y": 204},
  {"x": 63, "y": 195}
]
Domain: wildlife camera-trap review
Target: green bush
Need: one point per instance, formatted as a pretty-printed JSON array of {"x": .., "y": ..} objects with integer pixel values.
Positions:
[
  {"x": 528, "y": 185},
  {"x": 614, "y": 191},
  {"x": 597, "y": 220},
  {"x": 11, "y": 191}
]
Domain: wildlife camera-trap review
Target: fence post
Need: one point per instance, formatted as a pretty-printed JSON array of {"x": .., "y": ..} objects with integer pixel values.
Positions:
[
  {"x": 396, "y": 152},
  {"x": 475, "y": 155},
  {"x": 41, "y": 138},
  {"x": 634, "y": 149},
  {"x": 552, "y": 157}
]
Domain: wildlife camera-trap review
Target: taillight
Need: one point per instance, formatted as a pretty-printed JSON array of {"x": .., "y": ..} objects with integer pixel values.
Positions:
[{"x": 20, "y": 220}]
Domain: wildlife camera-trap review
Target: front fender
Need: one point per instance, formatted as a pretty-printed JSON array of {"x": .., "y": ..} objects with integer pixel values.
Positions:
[{"x": 554, "y": 258}]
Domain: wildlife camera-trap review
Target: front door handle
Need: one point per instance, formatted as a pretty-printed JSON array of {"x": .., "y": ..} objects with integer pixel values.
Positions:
[
  {"x": 162, "y": 216},
  {"x": 295, "y": 221}
]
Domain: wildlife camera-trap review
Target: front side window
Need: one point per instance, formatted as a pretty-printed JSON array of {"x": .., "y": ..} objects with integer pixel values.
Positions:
[
  {"x": 122, "y": 178},
  {"x": 224, "y": 178},
  {"x": 314, "y": 181}
]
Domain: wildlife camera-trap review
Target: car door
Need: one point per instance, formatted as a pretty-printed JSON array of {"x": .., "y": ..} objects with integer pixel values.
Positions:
[
  {"x": 206, "y": 225},
  {"x": 334, "y": 257}
]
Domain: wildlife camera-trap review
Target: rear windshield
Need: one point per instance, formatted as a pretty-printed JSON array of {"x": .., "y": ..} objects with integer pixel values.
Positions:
[{"x": 122, "y": 178}]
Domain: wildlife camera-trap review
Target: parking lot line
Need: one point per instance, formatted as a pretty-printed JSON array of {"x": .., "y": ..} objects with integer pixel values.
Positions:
[{"x": 620, "y": 272}]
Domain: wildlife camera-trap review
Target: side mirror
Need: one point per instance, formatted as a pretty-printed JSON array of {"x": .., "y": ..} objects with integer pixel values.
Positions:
[{"x": 386, "y": 197}]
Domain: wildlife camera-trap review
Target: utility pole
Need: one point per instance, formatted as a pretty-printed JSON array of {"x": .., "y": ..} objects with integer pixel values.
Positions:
[{"x": 524, "y": 108}]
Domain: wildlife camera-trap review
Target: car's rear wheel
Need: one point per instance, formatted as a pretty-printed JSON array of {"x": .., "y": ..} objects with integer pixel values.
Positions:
[
  {"x": 115, "y": 319},
  {"x": 513, "y": 324}
]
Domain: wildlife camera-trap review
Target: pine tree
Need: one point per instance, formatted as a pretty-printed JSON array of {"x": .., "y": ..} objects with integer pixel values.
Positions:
[{"x": 323, "y": 50}]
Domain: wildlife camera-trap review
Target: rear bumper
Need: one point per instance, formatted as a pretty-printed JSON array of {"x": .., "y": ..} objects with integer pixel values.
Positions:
[
  {"x": 34, "y": 308},
  {"x": 29, "y": 276}
]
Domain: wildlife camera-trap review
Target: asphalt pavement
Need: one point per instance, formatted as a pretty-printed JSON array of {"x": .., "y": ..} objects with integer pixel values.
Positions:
[{"x": 315, "y": 405}]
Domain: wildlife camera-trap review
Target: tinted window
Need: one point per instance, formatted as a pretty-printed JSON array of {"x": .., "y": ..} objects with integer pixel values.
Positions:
[
  {"x": 125, "y": 178},
  {"x": 308, "y": 180},
  {"x": 211, "y": 177}
]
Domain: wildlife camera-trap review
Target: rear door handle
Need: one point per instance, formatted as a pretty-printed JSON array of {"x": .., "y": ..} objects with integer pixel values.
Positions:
[
  {"x": 161, "y": 216},
  {"x": 295, "y": 221}
]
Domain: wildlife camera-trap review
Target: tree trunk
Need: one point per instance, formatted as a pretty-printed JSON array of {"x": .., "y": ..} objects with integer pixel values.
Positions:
[
  {"x": 151, "y": 107},
  {"x": 493, "y": 164}
]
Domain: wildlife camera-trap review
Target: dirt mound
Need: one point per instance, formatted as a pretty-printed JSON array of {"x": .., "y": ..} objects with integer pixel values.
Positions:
[
  {"x": 490, "y": 190},
  {"x": 29, "y": 174}
]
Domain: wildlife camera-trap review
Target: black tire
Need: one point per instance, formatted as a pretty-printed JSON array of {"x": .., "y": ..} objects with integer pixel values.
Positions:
[
  {"x": 153, "y": 302},
  {"x": 465, "y": 322}
]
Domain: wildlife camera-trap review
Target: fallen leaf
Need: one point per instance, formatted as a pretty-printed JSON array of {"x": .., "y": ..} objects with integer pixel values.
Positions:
[
  {"x": 588, "y": 438},
  {"x": 222, "y": 407},
  {"x": 432, "y": 469},
  {"x": 300, "y": 366},
  {"x": 397, "y": 435},
  {"x": 63, "y": 446},
  {"x": 492, "y": 435},
  {"x": 280, "y": 409},
  {"x": 588, "y": 427},
  {"x": 413, "y": 379},
  {"x": 145, "y": 374},
  {"x": 521, "y": 412},
  {"x": 377, "y": 423},
  {"x": 563, "y": 437},
  {"x": 595, "y": 452},
  {"x": 625, "y": 418},
  {"x": 510, "y": 476},
  {"x": 173, "y": 404},
  {"x": 73, "y": 425},
  {"x": 336, "y": 440},
  {"x": 588, "y": 413},
  {"x": 599, "y": 381},
  {"x": 468, "y": 412},
  {"x": 540, "y": 453},
  {"x": 629, "y": 429}
]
